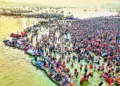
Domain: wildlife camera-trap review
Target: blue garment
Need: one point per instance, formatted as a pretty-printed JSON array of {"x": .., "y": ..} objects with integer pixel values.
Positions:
[
  {"x": 64, "y": 83},
  {"x": 40, "y": 64},
  {"x": 57, "y": 65},
  {"x": 35, "y": 58},
  {"x": 42, "y": 52},
  {"x": 86, "y": 70},
  {"x": 79, "y": 59}
]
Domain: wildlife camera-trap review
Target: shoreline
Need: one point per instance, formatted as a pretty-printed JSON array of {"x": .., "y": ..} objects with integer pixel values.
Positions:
[{"x": 15, "y": 66}]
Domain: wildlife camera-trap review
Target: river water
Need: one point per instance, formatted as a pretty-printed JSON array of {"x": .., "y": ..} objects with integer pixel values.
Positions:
[{"x": 15, "y": 66}]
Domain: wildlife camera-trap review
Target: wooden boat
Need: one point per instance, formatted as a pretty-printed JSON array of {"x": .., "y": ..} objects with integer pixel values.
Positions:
[
  {"x": 15, "y": 45},
  {"x": 15, "y": 35},
  {"x": 40, "y": 66}
]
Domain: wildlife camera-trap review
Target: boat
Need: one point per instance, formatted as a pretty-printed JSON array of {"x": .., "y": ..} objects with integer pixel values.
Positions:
[
  {"x": 38, "y": 64},
  {"x": 15, "y": 35},
  {"x": 54, "y": 76},
  {"x": 32, "y": 52},
  {"x": 8, "y": 43},
  {"x": 14, "y": 44}
]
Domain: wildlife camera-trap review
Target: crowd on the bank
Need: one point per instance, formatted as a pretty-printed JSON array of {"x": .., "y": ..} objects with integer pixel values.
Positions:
[{"x": 99, "y": 36}]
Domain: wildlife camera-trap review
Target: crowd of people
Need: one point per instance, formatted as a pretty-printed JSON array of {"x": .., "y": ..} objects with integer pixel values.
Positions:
[{"x": 93, "y": 44}]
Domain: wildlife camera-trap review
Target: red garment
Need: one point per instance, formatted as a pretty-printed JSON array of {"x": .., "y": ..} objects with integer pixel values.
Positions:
[
  {"x": 87, "y": 48},
  {"x": 107, "y": 79},
  {"x": 82, "y": 80},
  {"x": 91, "y": 66},
  {"x": 89, "y": 57},
  {"x": 118, "y": 80},
  {"x": 110, "y": 81},
  {"x": 25, "y": 31},
  {"x": 37, "y": 44},
  {"x": 34, "y": 48},
  {"x": 108, "y": 58},
  {"x": 46, "y": 65},
  {"x": 22, "y": 34}
]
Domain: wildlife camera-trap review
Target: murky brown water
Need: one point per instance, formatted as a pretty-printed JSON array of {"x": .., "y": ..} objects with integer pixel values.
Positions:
[{"x": 15, "y": 66}]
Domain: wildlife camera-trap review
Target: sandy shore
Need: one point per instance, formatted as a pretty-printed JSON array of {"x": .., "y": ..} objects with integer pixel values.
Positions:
[{"x": 15, "y": 66}]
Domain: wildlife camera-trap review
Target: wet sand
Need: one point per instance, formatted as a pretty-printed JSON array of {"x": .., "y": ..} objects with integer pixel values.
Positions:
[{"x": 15, "y": 66}]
